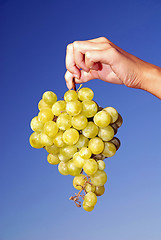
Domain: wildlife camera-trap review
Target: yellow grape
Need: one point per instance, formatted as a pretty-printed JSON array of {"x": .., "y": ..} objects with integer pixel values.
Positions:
[
  {"x": 113, "y": 113},
  {"x": 58, "y": 139},
  {"x": 101, "y": 165},
  {"x": 90, "y": 199},
  {"x": 106, "y": 134},
  {"x": 79, "y": 180},
  {"x": 70, "y": 95},
  {"x": 43, "y": 105},
  {"x": 71, "y": 136},
  {"x": 52, "y": 149},
  {"x": 58, "y": 107},
  {"x": 78, "y": 160},
  {"x": 87, "y": 208},
  {"x": 79, "y": 122},
  {"x": 96, "y": 145},
  {"x": 49, "y": 97},
  {"x": 45, "y": 115},
  {"x": 36, "y": 125},
  {"x": 90, "y": 188},
  {"x": 72, "y": 169},
  {"x": 82, "y": 142},
  {"x": 73, "y": 108},
  {"x": 45, "y": 139},
  {"x": 62, "y": 168},
  {"x": 91, "y": 130},
  {"x": 85, "y": 94},
  {"x": 99, "y": 178},
  {"x": 35, "y": 140},
  {"x": 64, "y": 121},
  {"x": 109, "y": 149},
  {"x": 89, "y": 108},
  {"x": 102, "y": 119},
  {"x": 50, "y": 128},
  {"x": 90, "y": 166},
  {"x": 53, "y": 159},
  {"x": 85, "y": 153},
  {"x": 68, "y": 151}
]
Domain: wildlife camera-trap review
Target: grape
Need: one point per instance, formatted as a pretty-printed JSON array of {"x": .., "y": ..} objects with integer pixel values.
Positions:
[
  {"x": 106, "y": 134},
  {"x": 91, "y": 130},
  {"x": 116, "y": 142},
  {"x": 101, "y": 165},
  {"x": 96, "y": 145},
  {"x": 89, "y": 188},
  {"x": 79, "y": 122},
  {"x": 87, "y": 208},
  {"x": 49, "y": 97},
  {"x": 99, "y": 178},
  {"x": 90, "y": 199},
  {"x": 109, "y": 149},
  {"x": 85, "y": 153},
  {"x": 115, "y": 127},
  {"x": 73, "y": 108},
  {"x": 52, "y": 149},
  {"x": 50, "y": 128},
  {"x": 62, "y": 158},
  {"x": 45, "y": 139},
  {"x": 78, "y": 160},
  {"x": 71, "y": 136},
  {"x": 53, "y": 159},
  {"x": 85, "y": 94},
  {"x": 62, "y": 168},
  {"x": 43, "y": 105},
  {"x": 102, "y": 119},
  {"x": 90, "y": 166},
  {"x": 58, "y": 107},
  {"x": 45, "y": 115},
  {"x": 64, "y": 121},
  {"x": 58, "y": 139},
  {"x": 79, "y": 180},
  {"x": 68, "y": 151},
  {"x": 35, "y": 140},
  {"x": 82, "y": 142},
  {"x": 72, "y": 169},
  {"x": 89, "y": 108},
  {"x": 119, "y": 121},
  {"x": 99, "y": 190},
  {"x": 36, "y": 125},
  {"x": 70, "y": 95},
  {"x": 113, "y": 113}
]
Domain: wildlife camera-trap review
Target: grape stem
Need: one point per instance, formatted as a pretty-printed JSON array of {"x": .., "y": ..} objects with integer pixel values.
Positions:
[
  {"x": 74, "y": 86},
  {"x": 78, "y": 195}
]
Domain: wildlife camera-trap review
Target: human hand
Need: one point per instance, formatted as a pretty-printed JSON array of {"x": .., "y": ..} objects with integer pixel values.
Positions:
[{"x": 101, "y": 59}]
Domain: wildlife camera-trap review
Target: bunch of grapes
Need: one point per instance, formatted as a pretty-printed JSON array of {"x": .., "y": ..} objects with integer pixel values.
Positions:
[{"x": 78, "y": 135}]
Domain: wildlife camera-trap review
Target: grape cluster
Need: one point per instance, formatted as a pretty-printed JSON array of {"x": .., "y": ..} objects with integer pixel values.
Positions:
[{"x": 78, "y": 135}]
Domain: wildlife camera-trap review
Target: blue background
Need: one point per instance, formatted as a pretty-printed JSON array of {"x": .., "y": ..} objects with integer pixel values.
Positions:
[{"x": 34, "y": 196}]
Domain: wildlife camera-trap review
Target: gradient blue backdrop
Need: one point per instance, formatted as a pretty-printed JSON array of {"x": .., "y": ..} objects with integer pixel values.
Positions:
[{"x": 34, "y": 196}]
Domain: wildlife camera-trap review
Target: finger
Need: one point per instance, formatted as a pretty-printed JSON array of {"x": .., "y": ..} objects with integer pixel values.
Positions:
[
  {"x": 108, "y": 56},
  {"x": 69, "y": 78},
  {"x": 81, "y": 47},
  {"x": 70, "y": 63}
]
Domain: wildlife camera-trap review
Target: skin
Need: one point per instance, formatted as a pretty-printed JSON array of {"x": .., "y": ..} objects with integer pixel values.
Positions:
[{"x": 101, "y": 59}]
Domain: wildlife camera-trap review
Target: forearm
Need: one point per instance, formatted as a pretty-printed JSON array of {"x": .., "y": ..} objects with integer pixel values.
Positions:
[{"x": 151, "y": 79}]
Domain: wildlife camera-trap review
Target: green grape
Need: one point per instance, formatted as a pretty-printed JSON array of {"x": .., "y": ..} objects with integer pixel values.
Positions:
[
  {"x": 89, "y": 108},
  {"x": 96, "y": 145},
  {"x": 50, "y": 128},
  {"x": 62, "y": 168},
  {"x": 53, "y": 159},
  {"x": 58, "y": 107},
  {"x": 106, "y": 134},
  {"x": 119, "y": 121},
  {"x": 82, "y": 142},
  {"x": 87, "y": 208},
  {"x": 90, "y": 188},
  {"x": 101, "y": 165},
  {"x": 43, "y": 105},
  {"x": 52, "y": 149},
  {"x": 116, "y": 142},
  {"x": 49, "y": 97},
  {"x": 72, "y": 169},
  {"x": 36, "y": 125},
  {"x": 64, "y": 121},
  {"x": 79, "y": 180},
  {"x": 45, "y": 139},
  {"x": 85, "y": 153},
  {"x": 109, "y": 149},
  {"x": 73, "y": 108},
  {"x": 99, "y": 178},
  {"x": 90, "y": 199},
  {"x": 70, "y": 95},
  {"x": 58, "y": 139},
  {"x": 35, "y": 140},
  {"x": 99, "y": 191},
  {"x": 71, "y": 136},
  {"x": 68, "y": 151},
  {"x": 102, "y": 119},
  {"x": 78, "y": 160},
  {"x": 91, "y": 130},
  {"x": 115, "y": 127},
  {"x": 79, "y": 122},
  {"x": 62, "y": 158},
  {"x": 85, "y": 94},
  {"x": 113, "y": 113},
  {"x": 90, "y": 166},
  {"x": 45, "y": 115}
]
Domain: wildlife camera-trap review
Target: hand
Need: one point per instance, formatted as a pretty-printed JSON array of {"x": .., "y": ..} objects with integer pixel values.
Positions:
[{"x": 101, "y": 59}]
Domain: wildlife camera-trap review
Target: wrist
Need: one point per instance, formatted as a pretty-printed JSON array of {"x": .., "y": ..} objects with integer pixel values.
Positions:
[{"x": 151, "y": 79}]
